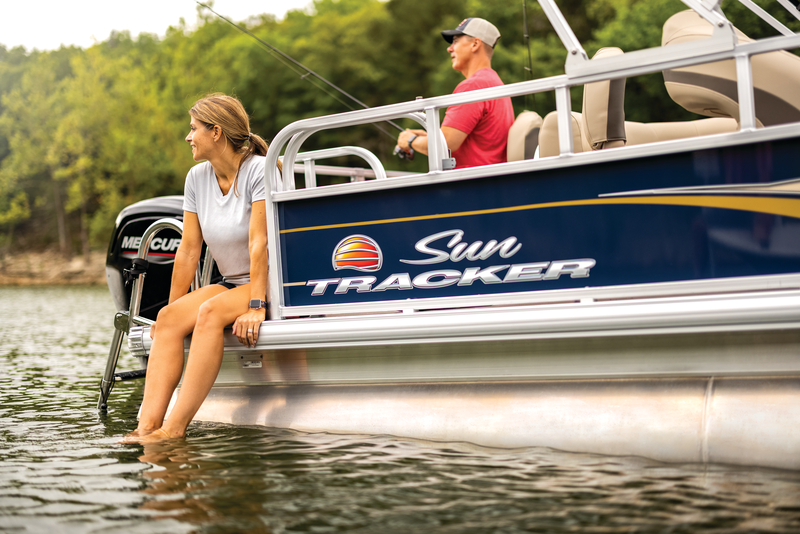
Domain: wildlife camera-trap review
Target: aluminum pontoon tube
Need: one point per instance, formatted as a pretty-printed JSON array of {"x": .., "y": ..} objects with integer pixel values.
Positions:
[{"x": 746, "y": 421}]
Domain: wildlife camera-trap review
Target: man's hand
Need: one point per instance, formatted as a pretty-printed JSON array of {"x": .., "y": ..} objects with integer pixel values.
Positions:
[{"x": 406, "y": 136}]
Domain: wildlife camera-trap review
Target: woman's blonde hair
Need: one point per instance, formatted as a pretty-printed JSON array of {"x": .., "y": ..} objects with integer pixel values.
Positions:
[{"x": 227, "y": 112}]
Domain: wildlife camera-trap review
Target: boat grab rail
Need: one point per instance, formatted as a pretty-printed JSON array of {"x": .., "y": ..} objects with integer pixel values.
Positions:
[
  {"x": 309, "y": 159},
  {"x": 356, "y": 174},
  {"x": 285, "y": 181}
]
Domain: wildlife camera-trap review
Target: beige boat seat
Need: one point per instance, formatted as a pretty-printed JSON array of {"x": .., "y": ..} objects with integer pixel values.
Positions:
[
  {"x": 602, "y": 123},
  {"x": 523, "y": 136},
  {"x": 710, "y": 89}
]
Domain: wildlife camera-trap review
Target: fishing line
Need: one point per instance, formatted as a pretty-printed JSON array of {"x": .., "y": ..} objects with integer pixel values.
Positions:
[{"x": 290, "y": 62}]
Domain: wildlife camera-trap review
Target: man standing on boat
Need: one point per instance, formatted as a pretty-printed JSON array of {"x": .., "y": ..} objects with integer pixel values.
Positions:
[{"x": 476, "y": 133}]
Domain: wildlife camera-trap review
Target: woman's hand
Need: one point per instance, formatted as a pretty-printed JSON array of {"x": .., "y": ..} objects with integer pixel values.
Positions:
[
  {"x": 246, "y": 326},
  {"x": 153, "y": 331}
]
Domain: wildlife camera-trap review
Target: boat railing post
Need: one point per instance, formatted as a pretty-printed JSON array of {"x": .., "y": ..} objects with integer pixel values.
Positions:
[
  {"x": 766, "y": 17},
  {"x": 564, "y": 107},
  {"x": 709, "y": 10},
  {"x": 576, "y": 55},
  {"x": 744, "y": 85},
  {"x": 310, "y": 172},
  {"x": 272, "y": 179},
  {"x": 436, "y": 149},
  {"x": 791, "y": 8},
  {"x": 286, "y": 179}
]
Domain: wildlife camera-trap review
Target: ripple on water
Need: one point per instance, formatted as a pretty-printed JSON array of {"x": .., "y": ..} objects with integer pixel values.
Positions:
[{"x": 62, "y": 470}]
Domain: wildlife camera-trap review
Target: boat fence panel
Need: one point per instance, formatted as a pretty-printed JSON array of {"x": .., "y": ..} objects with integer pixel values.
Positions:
[{"x": 710, "y": 214}]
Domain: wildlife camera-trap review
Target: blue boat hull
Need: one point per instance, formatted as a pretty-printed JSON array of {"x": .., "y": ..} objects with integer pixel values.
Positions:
[{"x": 645, "y": 220}]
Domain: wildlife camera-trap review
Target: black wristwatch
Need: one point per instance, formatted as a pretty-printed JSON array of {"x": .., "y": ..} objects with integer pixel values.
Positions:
[
  {"x": 411, "y": 141},
  {"x": 257, "y": 304}
]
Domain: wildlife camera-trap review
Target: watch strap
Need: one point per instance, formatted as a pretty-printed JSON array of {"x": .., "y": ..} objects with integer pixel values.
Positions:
[{"x": 257, "y": 304}]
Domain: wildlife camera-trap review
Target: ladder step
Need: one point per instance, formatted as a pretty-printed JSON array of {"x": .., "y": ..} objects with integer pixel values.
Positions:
[{"x": 130, "y": 375}]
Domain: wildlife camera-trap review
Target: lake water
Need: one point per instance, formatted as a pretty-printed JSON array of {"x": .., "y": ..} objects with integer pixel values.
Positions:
[{"x": 62, "y": 470}]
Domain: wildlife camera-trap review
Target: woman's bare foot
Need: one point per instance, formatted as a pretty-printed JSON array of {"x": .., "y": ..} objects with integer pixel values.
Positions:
[
  {"x": 136, "y": 435},
  {"x": 157, "y": 436}
]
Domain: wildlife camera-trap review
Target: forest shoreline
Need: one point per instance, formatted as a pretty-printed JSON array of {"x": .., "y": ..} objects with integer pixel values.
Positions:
[{"x": 50, "y": 268}]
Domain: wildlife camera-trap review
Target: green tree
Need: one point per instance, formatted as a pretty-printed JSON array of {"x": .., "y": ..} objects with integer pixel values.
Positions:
[
  {"x": 84, "y": 133},
  {"x": 27, "y": 176}
]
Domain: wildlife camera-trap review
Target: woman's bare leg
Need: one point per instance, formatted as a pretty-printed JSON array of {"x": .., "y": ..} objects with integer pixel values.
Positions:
[
  {"x": 205, "y": 357},
  {"x": 165, "y": 365}
]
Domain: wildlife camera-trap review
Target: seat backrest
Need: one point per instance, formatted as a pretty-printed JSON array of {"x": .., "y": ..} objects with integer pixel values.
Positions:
[
  {"x": 523, "y": 136},
  {"x": 600, "y": 125},
  {"x": 548, "y": 138},
  {"x": 603, "y": 115},
  {"x": 710, "y": 89}
]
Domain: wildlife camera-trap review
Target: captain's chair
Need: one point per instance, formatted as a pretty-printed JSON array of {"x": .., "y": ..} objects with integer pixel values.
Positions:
[
  {"x": 523, "y": 136},
  {"x": 708, "y": 89},
  {"x": 602, "y": 124}
]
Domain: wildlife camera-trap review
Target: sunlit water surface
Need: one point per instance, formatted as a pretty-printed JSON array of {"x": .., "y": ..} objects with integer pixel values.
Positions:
[{"x": 62, "y": 470}]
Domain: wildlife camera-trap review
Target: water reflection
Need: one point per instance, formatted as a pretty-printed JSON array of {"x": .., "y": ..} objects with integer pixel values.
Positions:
[
  {"x": 280, "y": 481},
  {"x": 186, "y": 485},
  {"x": 63, "y": 470}
]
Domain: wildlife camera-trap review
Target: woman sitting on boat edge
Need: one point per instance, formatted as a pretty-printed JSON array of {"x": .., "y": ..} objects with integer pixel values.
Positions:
[{"x": 224, "y": 205}]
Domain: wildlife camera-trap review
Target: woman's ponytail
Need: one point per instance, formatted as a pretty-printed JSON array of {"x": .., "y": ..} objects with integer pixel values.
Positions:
[
  {"x": 228, "y": 113},
  {"x": 259, "y": 147}
]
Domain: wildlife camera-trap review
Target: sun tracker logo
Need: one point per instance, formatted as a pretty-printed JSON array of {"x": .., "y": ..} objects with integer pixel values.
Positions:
[{"x": 357, "y": 252}]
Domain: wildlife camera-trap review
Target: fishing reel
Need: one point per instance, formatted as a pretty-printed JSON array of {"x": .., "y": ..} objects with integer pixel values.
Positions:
[{"x": 402, "y": 154}]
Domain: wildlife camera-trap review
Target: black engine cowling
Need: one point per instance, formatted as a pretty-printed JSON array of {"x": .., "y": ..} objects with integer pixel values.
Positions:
[{"x": 128, "y": 230}]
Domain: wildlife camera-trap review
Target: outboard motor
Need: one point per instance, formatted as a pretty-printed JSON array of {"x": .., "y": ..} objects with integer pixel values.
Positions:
[
  {"x": 131, "y": 224},
  {"x": 124, "y": 246}
]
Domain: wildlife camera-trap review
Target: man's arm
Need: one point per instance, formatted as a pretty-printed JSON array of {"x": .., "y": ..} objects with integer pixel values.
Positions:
[{"x": 452, "y": 136}]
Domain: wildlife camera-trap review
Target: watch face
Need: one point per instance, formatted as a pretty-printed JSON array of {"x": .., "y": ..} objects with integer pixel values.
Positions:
[{"x": 256, "y": 303}]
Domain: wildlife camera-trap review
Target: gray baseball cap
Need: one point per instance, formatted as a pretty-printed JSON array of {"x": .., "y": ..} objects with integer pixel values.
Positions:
[{"x": 475, "y": 27}]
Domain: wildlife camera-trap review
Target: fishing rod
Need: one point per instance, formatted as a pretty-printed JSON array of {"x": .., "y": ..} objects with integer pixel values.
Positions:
[
  {"x": 527, "y": 39},
  {"x": 290, "y": 62}
]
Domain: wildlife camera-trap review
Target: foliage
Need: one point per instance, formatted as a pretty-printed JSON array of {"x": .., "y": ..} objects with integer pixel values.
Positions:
[{"x": 84, "y": 133}]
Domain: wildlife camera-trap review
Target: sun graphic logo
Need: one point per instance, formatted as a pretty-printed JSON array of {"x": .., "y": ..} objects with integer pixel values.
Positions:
[{"x": 357, "y": 252}]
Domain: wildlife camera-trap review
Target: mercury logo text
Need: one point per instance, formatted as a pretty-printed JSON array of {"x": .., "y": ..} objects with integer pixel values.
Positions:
[{"x": 157, "y": 244}]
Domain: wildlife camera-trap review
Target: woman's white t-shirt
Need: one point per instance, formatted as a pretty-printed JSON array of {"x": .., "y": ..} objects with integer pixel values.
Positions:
[{"x": 225, "y": 219}]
